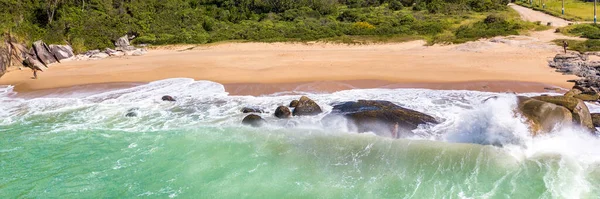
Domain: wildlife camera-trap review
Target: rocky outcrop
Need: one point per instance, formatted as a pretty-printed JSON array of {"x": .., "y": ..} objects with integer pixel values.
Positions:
[
  {"x": 382, "y": 117},
  {"x": 43, "y": 52},
  {"x": 543, "y": 117},
  {"x": 62, "y": 52},
  {"x": 580, "y": 111},
  {"x": 307, "y": 107},
  {"x": 253, "y": 120},
  {"x": 580, "y": 65},
  {"x": 283, "y": 112}
]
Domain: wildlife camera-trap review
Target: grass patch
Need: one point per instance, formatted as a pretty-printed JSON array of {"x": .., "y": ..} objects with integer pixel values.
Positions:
[
  {"x": 590, "y": 31},
  {"x": 581, "y": 46},
  {"x": 575, "y": 10}
]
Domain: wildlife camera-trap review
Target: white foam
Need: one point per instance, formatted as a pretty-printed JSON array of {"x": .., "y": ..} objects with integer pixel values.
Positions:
[{"x": 464, "y": 117}]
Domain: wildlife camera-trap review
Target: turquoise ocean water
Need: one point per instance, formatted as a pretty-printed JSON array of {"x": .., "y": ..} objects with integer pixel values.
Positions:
[{"x": 81, "y": 145}]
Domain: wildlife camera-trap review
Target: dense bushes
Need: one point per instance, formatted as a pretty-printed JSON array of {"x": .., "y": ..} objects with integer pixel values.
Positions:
[
  {"x": 493, "y": 25},
  {"x": 93, "y": 24}
]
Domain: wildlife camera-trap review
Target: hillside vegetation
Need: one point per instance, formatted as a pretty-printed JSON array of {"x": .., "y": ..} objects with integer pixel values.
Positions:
[{"x": 90, "y": 24}]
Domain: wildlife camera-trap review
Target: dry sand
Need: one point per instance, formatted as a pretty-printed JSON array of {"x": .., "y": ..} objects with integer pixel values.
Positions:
[
  {"x": 517, "y": 63},
  {"x": 515, "y": 59}
]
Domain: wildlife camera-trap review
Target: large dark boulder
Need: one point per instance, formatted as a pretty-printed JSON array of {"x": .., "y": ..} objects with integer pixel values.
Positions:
[
  {"x": 283, "y": 112},
  {"x": 44, "y": 53},
  {"x": 542, "y": 116},
  {"x": 61, "y": 52},
  {"x": 253, "y": 120},
  {"x": 382, "y": 117},
  {"x": 307, "y": 106},
  {"x": 580, "y": 111}
]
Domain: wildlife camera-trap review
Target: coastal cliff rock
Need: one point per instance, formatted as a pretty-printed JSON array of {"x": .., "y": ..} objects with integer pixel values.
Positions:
[
  {"x": 382, "y": 117},
  {"x": 253, "y": 120},
  {"x": 543, "y": 116},
  {"x": 283, "y": 112},
  {"x": 43, "y": 52},
  {"x": 580, "y": 111},
  {"x": 307, "y": 107}
]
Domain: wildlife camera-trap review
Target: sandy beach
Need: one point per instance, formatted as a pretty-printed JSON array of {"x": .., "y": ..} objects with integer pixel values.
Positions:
[{"x": 519, "y": 59}]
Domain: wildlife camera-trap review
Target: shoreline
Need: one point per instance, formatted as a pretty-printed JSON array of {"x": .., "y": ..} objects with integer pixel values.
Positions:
[
  {"x": 271, "y": 66},
  {"x": 326, "y": 87}
]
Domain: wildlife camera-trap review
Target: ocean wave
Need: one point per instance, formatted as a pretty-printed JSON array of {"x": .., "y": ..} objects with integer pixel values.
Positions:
[{"x": 479, "y": 149}]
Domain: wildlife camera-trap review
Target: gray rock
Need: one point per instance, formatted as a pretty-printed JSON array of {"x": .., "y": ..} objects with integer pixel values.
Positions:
[
  {"x": 122, "y": 41},
  {"x": 62, "y": 51},
  {"x": 126, "y": 48},
  {"x": 99, "y": 56},
  {"x": 43, "y": 52},
  {"x": 138, "y": 53}
]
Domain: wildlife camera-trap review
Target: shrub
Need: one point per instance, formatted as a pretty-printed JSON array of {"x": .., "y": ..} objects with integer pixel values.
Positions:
[{"x": 395, "y": 5}]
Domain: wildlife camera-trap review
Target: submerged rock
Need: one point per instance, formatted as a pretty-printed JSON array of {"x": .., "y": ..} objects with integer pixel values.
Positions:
[
  {"x": 283, "y": 112},
  {"x": 168, "y": 98},
  {"x": 253, "y": 120},
  {"x": 131, "y": 114},
  {"x": 543, "y": 116},
  {"x": 382, "y": 117},
  {"x": 251, "y": 110},
  {"x": 307, "y": 107}
]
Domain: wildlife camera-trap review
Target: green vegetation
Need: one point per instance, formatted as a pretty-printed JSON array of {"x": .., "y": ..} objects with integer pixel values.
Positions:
[
  {"x": 91, "y": 24},
  {"x": 581, "y": 45},
  {"x": 575, "y": 10},
  {"x": 589, "y": 31}
]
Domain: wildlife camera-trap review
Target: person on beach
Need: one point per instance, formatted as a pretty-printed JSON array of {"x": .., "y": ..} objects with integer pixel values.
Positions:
[
  {"x": 565, "y": 45},
  {"x": 27, "y": 63}
]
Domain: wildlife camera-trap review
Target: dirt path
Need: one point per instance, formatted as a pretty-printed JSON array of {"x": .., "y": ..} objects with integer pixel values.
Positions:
[{"x": 532, "y": 15}]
